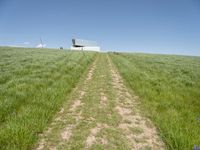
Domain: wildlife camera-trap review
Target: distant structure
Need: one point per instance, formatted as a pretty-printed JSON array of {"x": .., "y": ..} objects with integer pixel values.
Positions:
[
  {"x": 79, "y": 44},
  {"x": 41, "y": 43}
]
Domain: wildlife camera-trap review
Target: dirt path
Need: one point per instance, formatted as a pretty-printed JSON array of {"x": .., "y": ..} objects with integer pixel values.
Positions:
[{"x": 101, "y": 114}]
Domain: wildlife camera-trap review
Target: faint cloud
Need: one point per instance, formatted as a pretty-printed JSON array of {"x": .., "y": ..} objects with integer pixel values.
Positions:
[
  {"x": 41, "y": 45},
  {"x": 15, "y": 45},
  {"x": 26, "y": 43}
]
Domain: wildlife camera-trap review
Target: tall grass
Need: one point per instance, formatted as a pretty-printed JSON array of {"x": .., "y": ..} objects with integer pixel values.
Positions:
[
  {"x": 169, "y": 90},
  {"x": 33, "y": 85}
]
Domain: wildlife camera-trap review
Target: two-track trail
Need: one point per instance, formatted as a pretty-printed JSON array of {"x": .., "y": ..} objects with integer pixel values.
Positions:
[{"x": 100, "y": 114}]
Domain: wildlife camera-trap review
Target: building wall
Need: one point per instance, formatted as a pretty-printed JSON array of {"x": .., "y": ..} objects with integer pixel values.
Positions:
[{"x": 86, "y": 48}]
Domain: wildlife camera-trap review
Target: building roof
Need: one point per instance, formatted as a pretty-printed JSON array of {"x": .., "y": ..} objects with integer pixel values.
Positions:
[{"x": 83, "y": 43}]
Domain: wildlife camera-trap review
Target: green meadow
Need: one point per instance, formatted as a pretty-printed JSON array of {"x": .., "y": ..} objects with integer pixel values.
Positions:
[
  {"x": 33, "y": 85},
  {"x": 169, "y": 91},
  {"x": 36, "y": 83}
]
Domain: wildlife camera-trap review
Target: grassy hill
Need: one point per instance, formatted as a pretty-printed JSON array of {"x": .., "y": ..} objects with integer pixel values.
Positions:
[
  {"x": 33, "y": 85},
  {"x": 169, "y": 91}
]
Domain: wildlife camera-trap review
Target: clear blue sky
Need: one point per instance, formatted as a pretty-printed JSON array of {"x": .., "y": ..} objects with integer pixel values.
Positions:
[{"x": 154, "y": 26}]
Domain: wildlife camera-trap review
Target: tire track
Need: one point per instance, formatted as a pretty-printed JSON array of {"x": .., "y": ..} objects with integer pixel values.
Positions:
[
  {"x": 101, "y": 112},
  {"x": 138, "y": 130},
  {"x": 69, "y": 112}
]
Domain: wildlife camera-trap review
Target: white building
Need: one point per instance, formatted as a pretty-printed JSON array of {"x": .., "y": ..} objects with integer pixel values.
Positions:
[{"x": 79, "y": 44}]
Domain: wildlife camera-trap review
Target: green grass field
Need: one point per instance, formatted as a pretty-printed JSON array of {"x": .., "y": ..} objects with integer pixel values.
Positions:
[
  {"x": 36, "y": 83},
  {"x": 169, "y": 91},
  {"x": 33, "y": 85}
]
